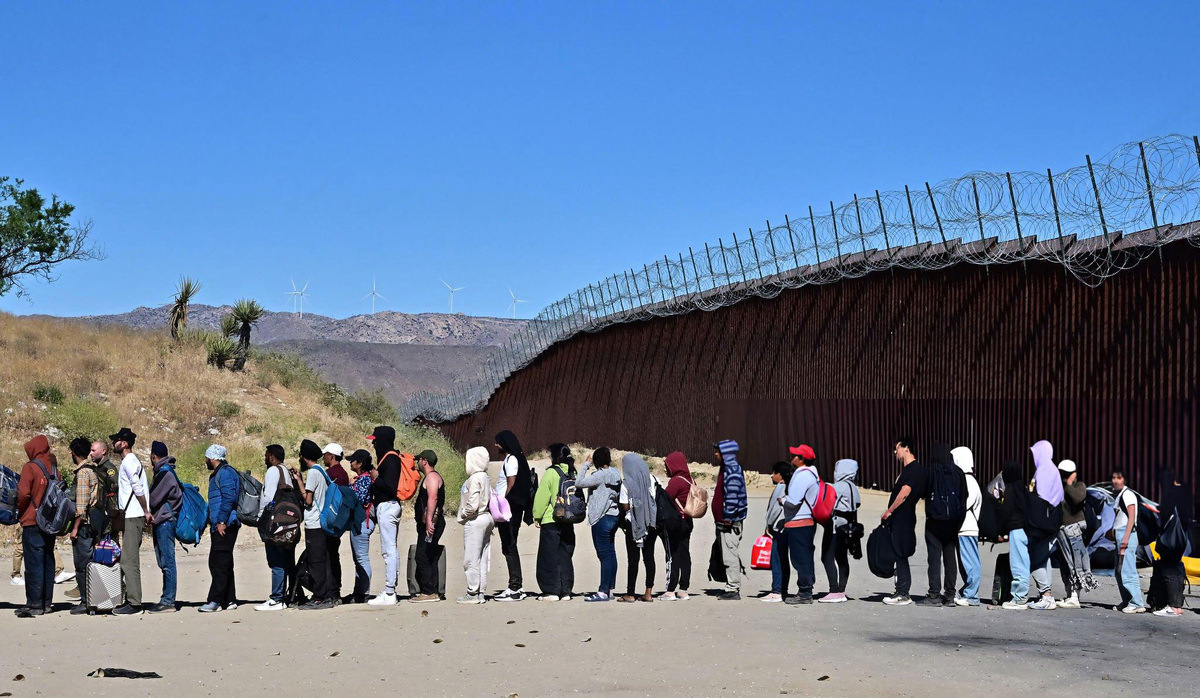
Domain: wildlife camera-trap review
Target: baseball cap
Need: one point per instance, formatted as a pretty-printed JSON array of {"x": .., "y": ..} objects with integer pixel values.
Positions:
[
  {"x": 1067, "y": 466},
  {"x": 335, "y": 449},
  {"x": 804, "y": 451},
  {"x": 429, "y": 456},
  {"x": 360, "y": 456}
]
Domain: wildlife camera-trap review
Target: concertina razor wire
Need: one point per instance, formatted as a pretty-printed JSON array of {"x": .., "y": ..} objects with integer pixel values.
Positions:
[{"x": 1081, "y": 218}]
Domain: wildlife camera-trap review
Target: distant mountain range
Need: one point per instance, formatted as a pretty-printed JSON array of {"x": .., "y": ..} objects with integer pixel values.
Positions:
[{"x": 397, "y": 352}]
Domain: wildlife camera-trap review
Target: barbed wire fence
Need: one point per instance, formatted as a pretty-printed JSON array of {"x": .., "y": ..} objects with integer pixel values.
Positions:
[{"x": 1084, "y": 218}]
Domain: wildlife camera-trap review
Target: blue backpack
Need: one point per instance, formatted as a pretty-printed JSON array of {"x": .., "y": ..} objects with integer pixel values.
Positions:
[
  {"x": 337, "y": 515},
  {"x": 8, "y": 496},
  {"x": 193, "y": 515}
]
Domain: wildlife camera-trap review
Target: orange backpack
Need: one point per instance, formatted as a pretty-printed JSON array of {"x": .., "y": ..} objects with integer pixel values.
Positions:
[{"x": 410, "y": 477}]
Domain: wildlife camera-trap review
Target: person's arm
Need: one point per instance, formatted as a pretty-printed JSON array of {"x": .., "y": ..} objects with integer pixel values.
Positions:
[
  {"x": 1131, "y": 514},
  {"x": 904, "y": 492},
  {"x": 82, "y": 494},
  {"x": 543, "y": 497},
  {"x": 139, "y": 491},
  {"x": 431, "y": 500},
  {"x": 590, "y": 479},
  {"x": 302, "y": 485}
]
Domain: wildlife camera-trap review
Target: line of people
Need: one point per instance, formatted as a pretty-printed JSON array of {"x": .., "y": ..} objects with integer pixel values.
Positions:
[{"x": 117, "y": 504}]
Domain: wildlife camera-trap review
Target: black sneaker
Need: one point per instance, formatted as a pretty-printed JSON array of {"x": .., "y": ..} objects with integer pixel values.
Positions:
[
  {"x": 948, "y": 601},
  {"x": 127, "y": 610},
  {"x": 162, "y": 608},
  {"x": 26, "y": 612},
  {"x": 315, "y": 605},
  {"x": 730, "y": 596},
  {"x": 79, "y": 610},
  {"x": 930, "y": 601}
]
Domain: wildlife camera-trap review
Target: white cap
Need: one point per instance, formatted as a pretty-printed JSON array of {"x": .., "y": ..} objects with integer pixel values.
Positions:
[
  {"x": 1067, "y": 466},
  {"x": 335, "y": 449}
]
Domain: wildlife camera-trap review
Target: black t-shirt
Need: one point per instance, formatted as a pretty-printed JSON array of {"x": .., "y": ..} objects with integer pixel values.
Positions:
[{"x": 916, "y": 477}]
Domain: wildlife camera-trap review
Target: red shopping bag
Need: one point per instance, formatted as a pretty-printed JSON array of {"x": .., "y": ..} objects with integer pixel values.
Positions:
[{"x": 760, "y": 556}]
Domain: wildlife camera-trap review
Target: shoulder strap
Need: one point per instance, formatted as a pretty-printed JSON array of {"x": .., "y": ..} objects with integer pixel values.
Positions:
[
  {"x": 328, "y": 480},
  {"x": 45, "y": 471}
]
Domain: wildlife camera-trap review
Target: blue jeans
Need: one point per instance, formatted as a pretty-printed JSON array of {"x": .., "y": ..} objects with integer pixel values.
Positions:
[
  {"x": 164, "y": 553},
  {"x": 802, "y": 545},
  {"x": 1018, "y": 563},
  {"x": 604, "y": 536},
  {"x": 1126, "y": 573},
  {"x": 39, "y": 567},
  {"x": 781, "y": 569},
  {"x": 282, "y": 561},
  {"x": 360, "y": 546},
  {"x": 968, "y": 555}
]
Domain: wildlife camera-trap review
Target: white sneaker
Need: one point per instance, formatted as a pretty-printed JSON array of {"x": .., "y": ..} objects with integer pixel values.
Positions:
[
  {"x": 547, "y": 597},
  {"x": 1071, "y": 601},
  {"x": 1014, "y": 606},
  {"x": 898, "y": 600},
  {"x": 1133, "y": 609},
  {"x": 772, "y": 598},
  {"x": 510, "y": 595},
  {"x": 383, "y": 600},
  {"x": 271, "y": 606},
  {"x": 1166, "y": 612},
  {"x": 1045, "y": 603},
  {"x": 471, "y": 598},
  {"x": 64, "y": 576},
  {"x": 18, "y": 581},
  {"x": 681, "y": 596}
]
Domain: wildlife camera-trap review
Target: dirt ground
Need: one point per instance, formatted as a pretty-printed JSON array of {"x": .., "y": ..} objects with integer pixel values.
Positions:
[{"x": 699, "y": 647}]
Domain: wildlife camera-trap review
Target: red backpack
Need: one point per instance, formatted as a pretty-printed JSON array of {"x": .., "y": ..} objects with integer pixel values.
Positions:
[{"x": 822, "y": 511}]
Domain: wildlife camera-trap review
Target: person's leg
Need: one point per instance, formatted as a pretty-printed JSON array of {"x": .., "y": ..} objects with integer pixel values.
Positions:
[
  {"x": 360, "y": 542},
  {"x": 777, "y": 555},
  {"x": 842, "y": 557},
  {"x": 679, "y": 554},
  {"x": 1066, "y": 561},
  {"x": 388, "y": 514},
  {"x": 485, "y": 551},
  {"x": 48, "y": 571},
  {"x": 81, "y": 555},
  {"x": 806, "y": 570},
  {"x": 334, "y": 546},
  {"x": 164, "y": 551},
  {"x": 547, "y": 559},
  {"x": 1018, "y": 562},
  {"x": 566, "y": 570},
  {"x": 131, "y": 563},
  {"x": 631, "y": 561},
  {"x": 648, "y": 546},
  {"x": 731, "y": 543},
  {"x": 903, "y": 576},
  {"x": 604, "y": 535},
  {"x": 318, "y": 562},
  {"x": 828, "y": 556},
  {"x": 278, "y": 574},
  {"x": 1130, "y": 585},
  {"x": 933, "y": 548},
  {"x": 515, "y": 575},
  {"x": 683, "y": 557},
  {"x": 950, "y": 565},
  {"x": 31, "y": 550},
  {"x": 968, "y": 553},
  {"x": 512, "y": 558},
  {"x": 19, "y": 558}
]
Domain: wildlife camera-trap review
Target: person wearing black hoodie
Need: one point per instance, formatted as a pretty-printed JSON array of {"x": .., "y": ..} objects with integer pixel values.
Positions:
[
  {"x": 941, "y": 535},
  {"x": 1167, "y": 580},
  {"x": 387, "y": 509},
  {"x": 514, "y": 484}
]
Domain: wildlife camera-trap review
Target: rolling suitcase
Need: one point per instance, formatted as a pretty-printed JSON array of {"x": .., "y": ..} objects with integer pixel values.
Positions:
[
  {"x": 105, "y": 587},
  {"x": 413, "y": 587}
]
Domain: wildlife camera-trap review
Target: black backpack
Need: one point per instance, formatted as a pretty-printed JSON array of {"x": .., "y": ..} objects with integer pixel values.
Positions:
[
  {"x": 881, "y": 552},
  {"x": 947, "y": 493},
  {"x": 1041, "y": 516},
  {"x": 667, "y": 517},
  {"x": 283, "y": 518},
  {"x": 1172, "y": 541},
  {"x": 569, "y": 507},
  {"x": 989, "y": 518}
]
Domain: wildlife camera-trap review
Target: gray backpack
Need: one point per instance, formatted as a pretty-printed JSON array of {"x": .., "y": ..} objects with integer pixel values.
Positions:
[
  {"x": 57, "y": 510},
  {"x": 248, "y": 498}
]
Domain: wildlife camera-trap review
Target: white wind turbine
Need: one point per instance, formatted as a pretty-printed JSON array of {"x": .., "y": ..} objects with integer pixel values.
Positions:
[
  {"x": 452, "y": 290},
  {"x": 298, "y": 295},
  {"x": 513, "y": 305},
  {"x": 373, "y": 295}
]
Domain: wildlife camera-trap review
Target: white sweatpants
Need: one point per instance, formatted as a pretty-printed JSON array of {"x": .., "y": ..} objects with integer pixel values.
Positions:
[
  {"x": 477, "y": 549},
  {"x": 388, "y": 514}
]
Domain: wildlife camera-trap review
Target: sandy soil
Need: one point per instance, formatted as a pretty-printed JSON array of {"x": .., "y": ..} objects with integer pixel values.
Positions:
[{"x": 700, "y": 647}]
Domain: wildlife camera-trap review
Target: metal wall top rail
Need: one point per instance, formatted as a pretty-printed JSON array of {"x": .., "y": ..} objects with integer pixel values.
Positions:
[{"x": 1077, "y": 218}]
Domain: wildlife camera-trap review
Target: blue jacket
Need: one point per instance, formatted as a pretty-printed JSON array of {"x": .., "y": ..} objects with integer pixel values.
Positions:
[
  {"x": 224, "y": 487},
  {"x": 734, "y": 503}
]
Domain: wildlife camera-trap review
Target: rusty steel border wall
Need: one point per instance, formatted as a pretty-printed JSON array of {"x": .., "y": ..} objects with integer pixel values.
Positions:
[{"x": 991, "y": 357}]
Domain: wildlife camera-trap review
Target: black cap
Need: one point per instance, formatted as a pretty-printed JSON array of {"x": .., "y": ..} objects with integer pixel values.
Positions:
[
  {"x": 429, "y": 456},
  {"x": 361, "y": 456},
  {"x": 124, "y": 434}
]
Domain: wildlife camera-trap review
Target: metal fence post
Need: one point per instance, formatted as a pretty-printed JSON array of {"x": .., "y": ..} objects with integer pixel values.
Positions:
[
  {"x": 912, "y": 216},
  {"x": 683, "y": 270},
  {"x": 1057, "y": 222},
  {"x": 862, "y": 237},
  {"x": 758, "y": 271},
  {"x": 738, "y": 250},
  {"x": 695, "y": 270},
  {"x": 1150, "y": 194},
  {"x": 1017, "y": 218},
  {"x": 771, "y": 240},
  {"x": 933, "y": 205},
  {"x": 883, "y": 224},
  {"x": 1099, "y": 204},
  {"x": 978, "y": 210},
  {"x": 816, "y": 246},
  {"x": 837, "y": 243},
  {"x": 792, "y": 240}
]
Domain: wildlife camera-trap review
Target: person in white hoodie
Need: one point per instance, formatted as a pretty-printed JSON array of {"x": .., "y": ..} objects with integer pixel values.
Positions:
[
  {"x": 477, "y": 524},
  {"x": 835, "y": 541},
  {"x": 968, "y": 533}
]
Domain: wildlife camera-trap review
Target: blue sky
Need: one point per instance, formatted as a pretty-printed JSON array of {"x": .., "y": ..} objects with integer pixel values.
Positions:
[{"x": 541, "y": 145}]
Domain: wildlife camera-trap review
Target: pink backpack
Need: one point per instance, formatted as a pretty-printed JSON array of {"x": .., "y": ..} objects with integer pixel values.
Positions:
[{"x": 499, "y": 509}]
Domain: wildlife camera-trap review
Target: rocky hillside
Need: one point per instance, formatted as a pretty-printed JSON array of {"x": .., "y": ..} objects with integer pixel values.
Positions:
[{"x": 384, "y": 327}]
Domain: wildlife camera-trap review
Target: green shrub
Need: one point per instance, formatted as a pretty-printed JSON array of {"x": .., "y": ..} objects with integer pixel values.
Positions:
[
  {"x": 92, "y": 420},
  {"x": 252, "y": 429},
  {"x": 48, "y": 393},
  {"x": 226, "y": 409},
  {"x": 371, "y": 406},
  {"x": 288, "y": 370}
]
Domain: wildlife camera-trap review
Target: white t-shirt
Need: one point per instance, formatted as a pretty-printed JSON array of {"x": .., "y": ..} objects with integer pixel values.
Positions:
[
  {"x": 131, "y": 482},
  {"x": 1124, "y": 501},
  {"x": 623, "y": 497},
  {"x": 271, "y": 484},
  {"x": 316, "y": 483},
  {"x": 509, "y": 469}
]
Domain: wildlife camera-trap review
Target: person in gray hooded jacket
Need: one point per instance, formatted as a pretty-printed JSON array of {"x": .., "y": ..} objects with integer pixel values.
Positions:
[{"x": 835, "y": 542}]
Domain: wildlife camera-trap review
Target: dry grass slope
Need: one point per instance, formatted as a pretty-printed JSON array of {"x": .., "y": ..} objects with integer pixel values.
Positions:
[{"x": 66, "y": 380}]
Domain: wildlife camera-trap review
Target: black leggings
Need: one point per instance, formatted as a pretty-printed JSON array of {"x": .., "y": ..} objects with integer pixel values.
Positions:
[
  {"x": 509, "y": 531},
  {"x": 834, "y": 550},
  {"x": 647, "y": 555},
  {"x": 680, "y": 573}
]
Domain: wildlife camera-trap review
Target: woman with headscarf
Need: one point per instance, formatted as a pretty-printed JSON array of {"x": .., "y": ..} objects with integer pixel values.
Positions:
[
  {"x": 603, "y": 514},
  {"x": 679, "y": 484},
  {"x": 640, "y": 512},
  {"x": 1043, "y": 520},
  {"x": 477, "y": 523},
  {"x": 556, "y": 541},
  {"x": 1166, "y": 582},
  {"x": 514, "y": 485}
]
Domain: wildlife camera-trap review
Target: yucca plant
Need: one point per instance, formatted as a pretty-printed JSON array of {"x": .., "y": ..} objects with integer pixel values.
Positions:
[
  {"x": 246, "y": 314},
  {"x": 229, "y": 326},
  {"x": 184, "y": 293},
  {"x": 221, "y": 350}
]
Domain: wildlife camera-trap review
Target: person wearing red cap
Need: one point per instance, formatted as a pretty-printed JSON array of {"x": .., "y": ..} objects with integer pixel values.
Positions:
[{"x": 802, "y": 492}]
